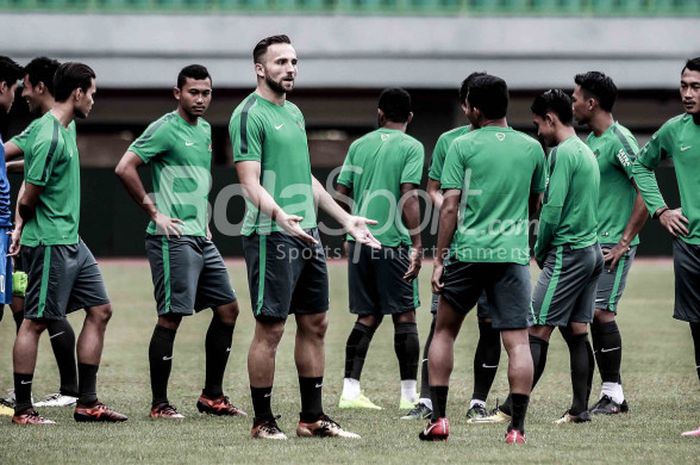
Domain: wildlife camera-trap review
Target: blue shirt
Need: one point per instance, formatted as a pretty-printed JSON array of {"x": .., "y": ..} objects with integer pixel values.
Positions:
[{"x": 5, "y": 211}]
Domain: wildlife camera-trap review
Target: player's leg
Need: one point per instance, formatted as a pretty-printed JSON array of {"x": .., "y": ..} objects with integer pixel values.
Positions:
[
  {"x": 695, "y": 332},
  {"x": 24, "y": 361},
  {"x": 520, "y": 380},
  {"x": 407, "y": 349},
  {"x": 160, "y": 362},
  {"x": 582, "y": 366},
  {"x": 424, "y": 407},
  {"x": 486, "y": 359},
  {"x": 62, "y": 338}
]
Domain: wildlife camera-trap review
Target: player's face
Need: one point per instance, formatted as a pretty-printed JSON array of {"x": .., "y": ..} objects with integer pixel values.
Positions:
[
  {"x": 690, "y": 91},
  {"x": 278, "y": 68},
  {"x": 31, "y": 94},
  {"x": 7, "y": 96},
  {"x": 545, "y": 129},
  {"x": 195, "y": 96},
  {"x": 85, "y": 101},
  {"x": 580, "y": 106}
]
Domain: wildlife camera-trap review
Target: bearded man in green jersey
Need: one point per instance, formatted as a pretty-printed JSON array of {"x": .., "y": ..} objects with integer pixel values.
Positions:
[
  {"x": 187, "y": 269},
  {"x": 679, "y": 139},
  {"x": 286, "y": 263},
  {"x": 380, "y": 175},
  {"x": 621, "y": 215},
  {"x": 494, "y": 176},
  {"x": 38, "y": 91},
  {"x": 63, "y": 274}
]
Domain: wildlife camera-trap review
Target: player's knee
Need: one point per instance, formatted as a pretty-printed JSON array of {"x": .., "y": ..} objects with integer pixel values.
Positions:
[
  {"x": 100, "y": 314},
  {"x": 405, "y": 317},
  {"x": 603, "y": 316},
  {"x": 371, "y": 321},
  {"x": 320, "y": 327}
]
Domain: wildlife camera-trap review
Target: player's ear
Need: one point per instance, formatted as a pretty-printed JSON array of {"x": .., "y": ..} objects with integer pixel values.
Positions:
[
  {"x": 40, "y": 87},
  {"x": 176, "y": 93},
  {"x": 410, "y": 117},
  {"x": 259, "y": 70}
]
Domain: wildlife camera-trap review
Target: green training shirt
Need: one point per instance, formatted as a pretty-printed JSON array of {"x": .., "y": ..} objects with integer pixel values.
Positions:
[
  {"x": 678, "y": 139},
  {"x": 496, "y": 169},
  {"x": 615, "y": 149},
  {"x": 53, "y": 163},
  {"x": 375, "y": 167},
  {"x": 25, "y": 139},
  {"x": 275, "y": 136},
  {"x": 441, "y": 147},
  {"x": 180, "y": 158},
  {"x": 569, "y": 212}
]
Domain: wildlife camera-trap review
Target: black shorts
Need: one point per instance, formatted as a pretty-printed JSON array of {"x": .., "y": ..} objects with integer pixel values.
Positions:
[
  {"x": 375, "y": 281},
  {"x": 566, "y": 288},
  {"x": 611, "y": 285},
  {"x": 482, "y": 306},
  {"x": 285, "y": 275},
  {"x": 506, "y": 285},
  {"x": 61, "y": 279},
  {"x": 188, "y": 274},
  {"x": 686, "y": 267}
]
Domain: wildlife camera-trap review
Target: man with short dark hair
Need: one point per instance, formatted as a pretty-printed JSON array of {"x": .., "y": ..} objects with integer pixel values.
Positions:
[
  {"x": 63, "y": 274},
  {"x": 286, "y": 263},
  {"x": 679, "y": 139},
  {"x": 495, "y": 176},
  {"x": 38, "y": 91},
  {"x": 621, "y": 216},
  {"x": 188, "y": 271},
  {"x": 381, "y": 173}
]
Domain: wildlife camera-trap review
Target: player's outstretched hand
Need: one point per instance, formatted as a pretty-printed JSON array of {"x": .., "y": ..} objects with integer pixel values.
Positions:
[
  {"x": 415, "y": 261},
  {"x": 612, "y": 256},
  {"x": 15, "y": 247},
  {"x": 291, "y": 225},
  {"x": 168, "y": 226},
  {"x": 436, "y": 280},
  {"x": 674, "y": 222},
  {"x": 356, "y": 226}
]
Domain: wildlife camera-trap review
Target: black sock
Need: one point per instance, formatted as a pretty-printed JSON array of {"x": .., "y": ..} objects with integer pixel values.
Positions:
[
  {"x": 217, "y": 346},
  {"x": 581, "y": 360},
  {"x": 438, "y": 394},
  {"x": 519, "y": 407},
  {"x": 62, "y": 340},
  {"x": 19, "y": 318},
  {"x": 23, "y": 392},
  {"x": 486, "y": 358},
  {"x": 424, "y": 375},
  {"x": 87, "y": 384},
  {"x": 695, "y": 331},
  {"x": 356, "y": 350},
  {"x": 262, "y": 403},
  {"x": 311, "y": 398},
  {"x": 538, "y": 349},
  {"x": 407, "y": 349},
  {"x": 608, "y": 350},
  {"x": 160, "y": 355}
]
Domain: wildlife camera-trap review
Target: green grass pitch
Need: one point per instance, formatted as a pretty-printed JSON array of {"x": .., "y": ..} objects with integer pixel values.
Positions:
[{"x": 658, "y": 375}]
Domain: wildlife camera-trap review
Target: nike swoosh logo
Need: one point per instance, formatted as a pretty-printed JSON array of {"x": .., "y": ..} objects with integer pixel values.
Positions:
[
  {"x": 189, "y": 144},
  {"x": 483, "y": 365},
  {"x": 228, "y": 349},
  {"x": 424, "y": 360},
  {"x": 277, "y": 128},
  {"x": 165, "y": 358},
  {"x": 318, "y": 386},
  {"x": 57, "y": 334},
  {"x": 685, "y": 147},
  {"x": 268, "y": 395},
  {"x": 25, "y": 382},
  {"x": 610, "y": 350}
]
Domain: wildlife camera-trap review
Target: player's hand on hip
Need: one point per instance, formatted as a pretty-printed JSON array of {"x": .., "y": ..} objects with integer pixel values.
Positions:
[
  {"x": 291, "y": 224},
  {"x": 356, "y": 226},
  {"x": 674, "y": 222},
  {"x": 415, "y": 262},
  {"x": 168, "y": 226},
  {"x": 613, "y": 256},
  {"x": 15, "y": 246},
  {"x": 436, "y": 280}
]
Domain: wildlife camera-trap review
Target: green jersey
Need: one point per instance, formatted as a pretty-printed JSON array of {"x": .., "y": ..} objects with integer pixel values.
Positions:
[
  {"x": 25, "y": 139},
  {"x": 679, "y": 139},
  {"x": 180, "y": 158},
  {"x": 52, "y": 162},
  {"x": 496, "y": 169},
  {"x": 569, "y": 212},
  {"x": 615, "y": 150},
  {"x": 375, "y": 167},
  {"x": 275, "y": 136},
  {"x": 440, "y": 151}
]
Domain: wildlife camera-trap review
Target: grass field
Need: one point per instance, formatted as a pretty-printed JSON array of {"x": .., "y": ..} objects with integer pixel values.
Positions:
[{"x": 659, "y": 379}]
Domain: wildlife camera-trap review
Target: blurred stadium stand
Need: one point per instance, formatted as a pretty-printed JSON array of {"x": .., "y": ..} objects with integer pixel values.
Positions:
[{"x": 349, "y": 50}]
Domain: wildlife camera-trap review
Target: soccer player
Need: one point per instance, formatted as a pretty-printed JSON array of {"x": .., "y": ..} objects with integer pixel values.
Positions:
[
  {"x": 488, "y": 349},
  {"x": 10, "y": 73},
  {"x": 381, "y": 173},
  {"x": 621, "y": 215},
  {"x": 38, "y": 91},
  {"x": 285, "y": 260},
  {"x": 679, "y": 139},
  {"x": 63, "y": 274},
  {"x": 494, "y": 175},
  {"x": 187, "y": 269}
]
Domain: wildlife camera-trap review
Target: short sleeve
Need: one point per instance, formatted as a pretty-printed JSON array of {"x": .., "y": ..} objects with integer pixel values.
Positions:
[
  {"x": 247, "y": 135},
  {"x": 539, "y": 176},
  {"x": 44, "y": 152},
  {"x": 437, "y": 161},
  {"x": 152, "y": 142},
  {"x": 412, "y": 172},
  {"x": 347, "y": 172},
  {"x": 454, "y": 169}
]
